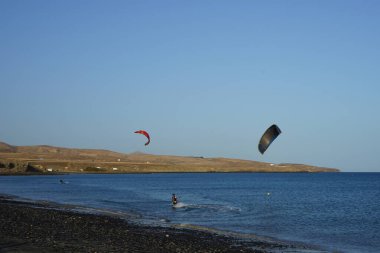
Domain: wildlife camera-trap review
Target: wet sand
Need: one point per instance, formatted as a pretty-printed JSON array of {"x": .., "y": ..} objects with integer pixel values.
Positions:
[{"x": 35, "y": 227}]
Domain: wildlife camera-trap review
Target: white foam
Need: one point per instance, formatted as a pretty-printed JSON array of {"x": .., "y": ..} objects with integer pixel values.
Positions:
[
  {"x": 180, "y": 205},
  {"x": 207, "y": 206}
]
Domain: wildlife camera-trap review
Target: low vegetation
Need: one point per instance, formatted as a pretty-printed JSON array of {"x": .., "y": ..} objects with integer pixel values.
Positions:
[{"x": 47, "y": 159}]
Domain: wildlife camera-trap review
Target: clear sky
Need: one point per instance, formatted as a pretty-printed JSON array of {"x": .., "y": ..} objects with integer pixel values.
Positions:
[{"x": 205, "y": 78}]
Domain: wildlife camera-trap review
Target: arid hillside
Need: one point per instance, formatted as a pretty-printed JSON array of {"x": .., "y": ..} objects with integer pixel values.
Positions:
[{"x": 48, "y": 159}]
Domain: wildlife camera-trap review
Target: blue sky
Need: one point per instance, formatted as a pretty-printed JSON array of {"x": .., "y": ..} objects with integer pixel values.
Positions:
[{"x": 203, "y": 77}]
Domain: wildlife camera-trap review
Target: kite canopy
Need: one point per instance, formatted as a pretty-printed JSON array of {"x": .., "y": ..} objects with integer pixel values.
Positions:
[
  {"x": 144, "y": 133},
  {"x": 268, "y": 137}
]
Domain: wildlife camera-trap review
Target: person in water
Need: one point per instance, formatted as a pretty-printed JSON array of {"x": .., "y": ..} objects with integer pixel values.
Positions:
[{"x": 174, "y": 199}]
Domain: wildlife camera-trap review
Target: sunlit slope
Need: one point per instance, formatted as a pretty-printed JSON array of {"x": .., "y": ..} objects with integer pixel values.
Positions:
[{"x": 49, "y": 159}]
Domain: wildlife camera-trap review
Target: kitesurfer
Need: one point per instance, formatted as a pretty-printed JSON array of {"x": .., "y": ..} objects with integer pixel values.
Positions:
[{"x": 174, "y": 199}]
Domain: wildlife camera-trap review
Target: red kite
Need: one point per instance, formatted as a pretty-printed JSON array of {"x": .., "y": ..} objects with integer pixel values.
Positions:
[{"x": 144, "y": 133}]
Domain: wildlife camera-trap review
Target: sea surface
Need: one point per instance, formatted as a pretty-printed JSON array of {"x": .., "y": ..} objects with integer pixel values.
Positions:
[{"x": 339, "y": 212}]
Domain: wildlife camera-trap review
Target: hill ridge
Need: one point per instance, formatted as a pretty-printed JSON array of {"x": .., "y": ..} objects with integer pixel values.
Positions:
[{"x": 45, "y": 158}]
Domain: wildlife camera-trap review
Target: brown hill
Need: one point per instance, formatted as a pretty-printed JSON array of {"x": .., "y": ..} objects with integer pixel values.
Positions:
[
  {"x": 48, "y": 159},
  {"x": 4, "y": 147}
]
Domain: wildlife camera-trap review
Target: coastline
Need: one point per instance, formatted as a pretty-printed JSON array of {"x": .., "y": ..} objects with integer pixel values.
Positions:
[
  {"x": 50, "y": 160},
  {"x": 43, "y": 227}
]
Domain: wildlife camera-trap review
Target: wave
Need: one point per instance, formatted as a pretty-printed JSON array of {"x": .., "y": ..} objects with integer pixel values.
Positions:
[
  {"x": 212, "y": 207},
  {"x": 283, "y": 245}
]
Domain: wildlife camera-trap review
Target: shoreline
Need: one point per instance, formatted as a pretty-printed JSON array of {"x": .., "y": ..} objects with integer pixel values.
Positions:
[
  {"x": 168, "y": 172},
  {"x": 29, "y": 226},
  {"x": 49, "y": 159}
]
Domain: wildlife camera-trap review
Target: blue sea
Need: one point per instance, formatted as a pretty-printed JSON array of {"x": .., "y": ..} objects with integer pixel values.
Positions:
[{"x": 338, "y": 212}]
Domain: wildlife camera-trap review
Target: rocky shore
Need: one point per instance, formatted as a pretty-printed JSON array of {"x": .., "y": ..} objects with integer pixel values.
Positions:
[{"x": 34, "y": 227}]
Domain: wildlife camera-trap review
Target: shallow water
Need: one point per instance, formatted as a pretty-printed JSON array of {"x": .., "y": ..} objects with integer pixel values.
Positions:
[{"x": 338, "y": 211}]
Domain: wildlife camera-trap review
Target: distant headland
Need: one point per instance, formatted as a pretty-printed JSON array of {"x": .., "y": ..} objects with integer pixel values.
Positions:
[{"x": 45, "y": 159}]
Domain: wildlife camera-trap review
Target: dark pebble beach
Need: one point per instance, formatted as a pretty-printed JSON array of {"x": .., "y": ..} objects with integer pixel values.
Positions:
[{"x": 34, "y": 227}]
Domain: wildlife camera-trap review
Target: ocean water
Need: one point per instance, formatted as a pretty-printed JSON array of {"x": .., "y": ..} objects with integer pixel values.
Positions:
[{"x": 335, "y": 211}]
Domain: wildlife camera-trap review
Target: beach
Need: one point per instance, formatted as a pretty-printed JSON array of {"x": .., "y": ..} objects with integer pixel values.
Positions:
[
  {"x": 304, "y": 212},
  {"x": 40, "y": 227}
]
